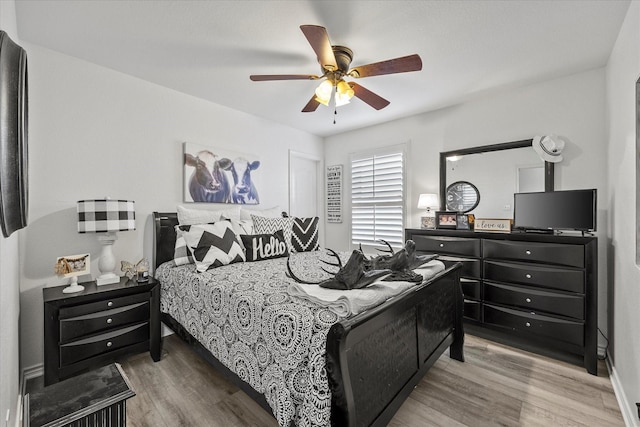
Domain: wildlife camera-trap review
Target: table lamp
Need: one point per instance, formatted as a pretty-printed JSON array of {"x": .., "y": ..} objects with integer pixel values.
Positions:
[
  {"x": 106, "y": 217},
  {"x": 428, "y": 201}
]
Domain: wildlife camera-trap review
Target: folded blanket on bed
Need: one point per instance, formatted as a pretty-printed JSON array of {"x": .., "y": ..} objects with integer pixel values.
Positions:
[{"x": 354, "y": 301}]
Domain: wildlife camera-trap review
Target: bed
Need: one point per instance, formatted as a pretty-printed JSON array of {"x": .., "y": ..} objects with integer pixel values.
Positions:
[{"x": 361, "y": 367}]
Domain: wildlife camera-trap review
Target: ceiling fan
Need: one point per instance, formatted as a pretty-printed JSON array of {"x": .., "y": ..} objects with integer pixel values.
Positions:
[{"x": 334, "y": 63}]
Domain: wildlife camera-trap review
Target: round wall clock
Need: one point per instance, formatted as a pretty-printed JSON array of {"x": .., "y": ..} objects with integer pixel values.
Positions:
[{"x": 462, "y": 196}]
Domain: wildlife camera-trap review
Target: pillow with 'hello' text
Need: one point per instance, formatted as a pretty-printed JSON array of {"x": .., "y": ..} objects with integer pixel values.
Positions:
[{"x": 264, "y": 246}]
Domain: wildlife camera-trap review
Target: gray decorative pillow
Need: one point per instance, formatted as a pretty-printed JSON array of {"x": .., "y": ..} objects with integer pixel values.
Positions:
[
  {"x": 265, "y": 246},
  {"x": 304, "y": 234},
  {"x": 181, "y": 254},
  {"x": 213, "y": 245},
  {"x": 264, "y": 225}
]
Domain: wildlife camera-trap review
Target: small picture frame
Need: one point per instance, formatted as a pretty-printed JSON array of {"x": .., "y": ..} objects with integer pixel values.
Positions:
[
  {"x": 462, "y": 222},
  {"x": 446, "y": 219},
  {"x": 73, "y": 265}
]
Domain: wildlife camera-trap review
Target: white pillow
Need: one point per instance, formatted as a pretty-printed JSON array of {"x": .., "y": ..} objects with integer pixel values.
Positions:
[
  {"x": 187, "y": 216},
  {"x": 274, "y": 212}
]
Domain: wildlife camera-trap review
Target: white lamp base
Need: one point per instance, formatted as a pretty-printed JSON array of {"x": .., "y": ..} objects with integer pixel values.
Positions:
[
  {"x": 73, "y": 286},
  {"x": 107, "y": 262}
]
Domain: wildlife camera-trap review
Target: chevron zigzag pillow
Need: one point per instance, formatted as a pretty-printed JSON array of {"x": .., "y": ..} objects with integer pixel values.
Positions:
[
  {"x": 213, "y": 245},
  {"x": 304, "y": 234},
  {"x": 264, "y": 225}
]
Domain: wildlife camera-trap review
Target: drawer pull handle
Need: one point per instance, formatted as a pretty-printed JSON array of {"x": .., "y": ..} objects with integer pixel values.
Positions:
[
  {"x": 442, "y": 245},
  {"x": 109, "y": 320},
  {"x": 528, "y": 276},
  {"x": 110, "y": 303},
  {"x": 109, "y": 343},
  {"x": 528, "y": 300},
  {"x": 527, "y": 324},
  {"x": 528, "y": 252}
]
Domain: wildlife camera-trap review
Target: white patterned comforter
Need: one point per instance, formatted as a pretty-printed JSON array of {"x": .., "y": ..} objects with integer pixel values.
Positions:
[{"x": 243, "y": 314}]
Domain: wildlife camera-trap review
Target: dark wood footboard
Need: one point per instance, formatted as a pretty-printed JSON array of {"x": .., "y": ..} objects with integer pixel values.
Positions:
[{"x": 374, "y": 359}]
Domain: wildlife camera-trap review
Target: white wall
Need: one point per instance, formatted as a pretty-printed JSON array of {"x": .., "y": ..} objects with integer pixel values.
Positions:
[
  {"x": 573, "y": 107},
  {"x": 623, "y": 71},
  {"x": 9, "y": 283},
  {"x": 96, "y": 132}
]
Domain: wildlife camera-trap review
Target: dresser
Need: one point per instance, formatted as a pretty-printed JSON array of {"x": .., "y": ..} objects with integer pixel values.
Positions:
[
  {"x": 535, "y": 291},
  {"x": 93, "y": 327}
]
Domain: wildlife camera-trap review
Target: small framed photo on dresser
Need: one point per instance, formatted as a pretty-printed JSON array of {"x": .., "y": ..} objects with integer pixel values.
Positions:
[
  {"x": 446, "y": 219},
  {"x": 462, "y": 222}
]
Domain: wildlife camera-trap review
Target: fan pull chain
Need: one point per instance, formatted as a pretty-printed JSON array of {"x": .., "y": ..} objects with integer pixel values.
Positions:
[{"x": 335, "y": 106}]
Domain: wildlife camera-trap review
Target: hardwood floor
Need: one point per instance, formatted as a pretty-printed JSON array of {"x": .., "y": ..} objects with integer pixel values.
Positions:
[{"x": 496, "y": 386}]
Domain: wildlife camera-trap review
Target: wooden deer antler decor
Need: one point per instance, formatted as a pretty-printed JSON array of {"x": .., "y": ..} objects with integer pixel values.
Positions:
[{"x": 360, "y": 272}]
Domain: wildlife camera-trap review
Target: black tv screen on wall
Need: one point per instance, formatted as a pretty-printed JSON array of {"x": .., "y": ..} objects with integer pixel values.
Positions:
[{"x": 14, "y": 180}]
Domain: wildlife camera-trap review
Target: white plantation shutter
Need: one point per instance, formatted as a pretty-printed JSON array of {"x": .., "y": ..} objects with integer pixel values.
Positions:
[{"x": 377, "y": 197}]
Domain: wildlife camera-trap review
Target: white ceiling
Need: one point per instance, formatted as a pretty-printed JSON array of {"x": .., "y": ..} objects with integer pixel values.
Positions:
[{"x": 208, "y": 49}]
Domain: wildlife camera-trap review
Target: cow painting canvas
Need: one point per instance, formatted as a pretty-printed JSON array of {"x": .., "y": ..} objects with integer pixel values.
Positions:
[{"x": 213, "y": 175}]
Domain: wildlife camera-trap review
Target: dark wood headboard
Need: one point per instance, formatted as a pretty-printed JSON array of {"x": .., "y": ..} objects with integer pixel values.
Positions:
[{"x": 164, "y": 236}]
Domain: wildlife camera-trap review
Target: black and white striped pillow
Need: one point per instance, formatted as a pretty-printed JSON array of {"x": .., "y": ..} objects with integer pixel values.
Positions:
[
  {"x": 304, "y": 234},
  {"x": 182, "y": 254},
  {"x": 212, "y": 245},
  {"x": 264, "y": 225}
]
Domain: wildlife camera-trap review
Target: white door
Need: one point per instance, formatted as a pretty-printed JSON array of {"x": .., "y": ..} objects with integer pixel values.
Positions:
[{"x": 303, "y": 187}]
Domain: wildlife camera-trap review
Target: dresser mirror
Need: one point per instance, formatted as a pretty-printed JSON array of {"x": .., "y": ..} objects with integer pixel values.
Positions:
[{"x": 497, "y": 171}]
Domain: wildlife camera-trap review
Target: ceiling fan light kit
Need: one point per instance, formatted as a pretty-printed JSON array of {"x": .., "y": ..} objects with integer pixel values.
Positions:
[{"x": 334, "y": 63}]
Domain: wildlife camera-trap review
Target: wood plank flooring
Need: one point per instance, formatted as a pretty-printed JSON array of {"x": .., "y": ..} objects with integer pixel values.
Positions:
[{"x": 496, "y": 386}]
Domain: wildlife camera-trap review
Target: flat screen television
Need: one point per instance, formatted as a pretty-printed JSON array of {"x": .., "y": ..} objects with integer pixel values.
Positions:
[{"x": 555, "y": 210}]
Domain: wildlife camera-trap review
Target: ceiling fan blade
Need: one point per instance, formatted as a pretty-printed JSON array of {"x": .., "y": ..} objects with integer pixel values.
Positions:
[
  {"x": 319, "y": 41},
  {"x": 311, "y": 106},
  {"x": 390, "y": 66},
  {"x": 376, "y": 101},
  {"x": 268, "y": 77}
]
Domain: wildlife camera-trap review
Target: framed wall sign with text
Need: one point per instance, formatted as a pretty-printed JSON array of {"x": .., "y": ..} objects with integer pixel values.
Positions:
[{"x": 334, "y": 193}]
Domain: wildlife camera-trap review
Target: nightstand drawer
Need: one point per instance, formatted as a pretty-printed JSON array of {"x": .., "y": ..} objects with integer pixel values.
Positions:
[
  {"x": 565, "y": 279},
  {"x": 544, "y": 326},
  {"x": 568, "y": 305},
  {"x": 88, "y": 347},
  {"x": 448, "y": 245},
  {"x": 86, "y": 324},
  {"x": 550, "y": 253},
  {"x": 106, "y": 304}
]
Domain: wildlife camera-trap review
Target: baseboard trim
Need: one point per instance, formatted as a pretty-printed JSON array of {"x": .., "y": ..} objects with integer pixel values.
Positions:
[{"x": 628, "y": 408}]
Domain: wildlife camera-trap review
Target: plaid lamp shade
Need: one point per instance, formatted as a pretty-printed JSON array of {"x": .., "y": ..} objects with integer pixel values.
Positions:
[{"x": 106, "y": 215}]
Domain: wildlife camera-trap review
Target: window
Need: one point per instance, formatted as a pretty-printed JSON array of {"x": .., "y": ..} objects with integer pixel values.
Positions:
[{"x": 377, "y": 197}]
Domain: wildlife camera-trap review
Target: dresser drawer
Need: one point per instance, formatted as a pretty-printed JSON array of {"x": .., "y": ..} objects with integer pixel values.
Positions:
[
  {"x": 472, "y": 310},
  {"x": 106, "y": 304},
  {"x": 532, "y": 299},
  {"x": 550, "y": 253},
  {"x": 448, "y": 245},
  {"x": 470, "y": 267},
  {"x": 547, "y": 277},
  {"x": 88, "y": 347},
  {"x": 471, "y": 288},
  {"x": 86, "y": 324},
  {"x": 545, "y": 326}
]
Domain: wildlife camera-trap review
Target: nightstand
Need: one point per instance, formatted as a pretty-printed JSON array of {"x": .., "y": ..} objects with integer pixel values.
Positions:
[{"x": 96, "y": 326}]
